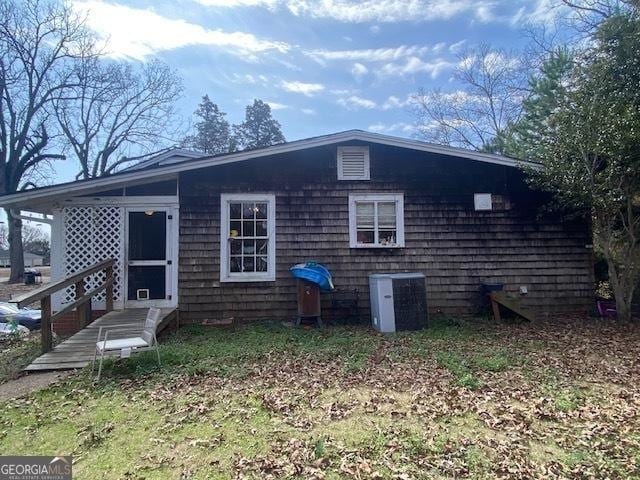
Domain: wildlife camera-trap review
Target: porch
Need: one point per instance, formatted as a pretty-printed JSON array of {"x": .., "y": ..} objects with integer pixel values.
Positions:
[{"x": 77, "y": 351}]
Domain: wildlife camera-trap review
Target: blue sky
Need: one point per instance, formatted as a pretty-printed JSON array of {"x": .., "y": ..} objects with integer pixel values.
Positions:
[{"x": 324, "y": 66}]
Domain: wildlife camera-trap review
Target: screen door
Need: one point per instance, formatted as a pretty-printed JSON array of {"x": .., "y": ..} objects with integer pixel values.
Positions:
[{"x": 149, "y": 262}]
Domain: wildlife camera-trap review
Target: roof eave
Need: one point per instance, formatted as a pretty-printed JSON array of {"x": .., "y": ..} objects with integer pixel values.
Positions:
[{"x": 47, "y": 195}]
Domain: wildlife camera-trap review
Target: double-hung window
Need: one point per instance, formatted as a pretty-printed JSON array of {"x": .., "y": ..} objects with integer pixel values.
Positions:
[
  {"x": 247, "y": 242},
  {"x": 376, "y": 220}
]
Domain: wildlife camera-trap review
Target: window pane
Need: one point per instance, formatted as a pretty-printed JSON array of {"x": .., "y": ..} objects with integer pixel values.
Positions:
[
  {"x": 262, "y": 247},
  {"x": 261, "y": 210},
  {"x": 235, "y": 264},
  {"x": 386, "y": 222},
  {"x": 387, "y": 209},
  {"x": 365, "y": 236},
  {"x": 261, "y": 264},
  {"x": 236, "y": 247},
  {"x": 147, "y": 235},
  {"x": 364, "y": 221},
  {"x": 249, "y": 265},
  {"x": 234, "y": 229},
  {"x": 248, "y": 211},
  {"x": 387, "y": 237},
  {"x": 248, "y": 247},
  {"x": 248, "y": 228},
  {"x": 147, "y": 277},
  {"x": 235, "y": 210},
  {"x": 261, "y": 229},
  {"x": 365, "y": 208}
]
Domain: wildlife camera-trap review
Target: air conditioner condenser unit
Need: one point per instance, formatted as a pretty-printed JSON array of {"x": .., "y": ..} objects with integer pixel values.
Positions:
[{"x": 398, "y": 301}]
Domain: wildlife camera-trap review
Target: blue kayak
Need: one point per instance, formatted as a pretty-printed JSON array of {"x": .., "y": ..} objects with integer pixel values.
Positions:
[{"x": 314, "y": 273}]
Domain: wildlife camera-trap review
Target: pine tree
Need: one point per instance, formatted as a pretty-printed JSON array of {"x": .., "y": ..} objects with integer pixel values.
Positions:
[
  {"x": 259, "y": 128},
  {"x": 212, "y": 131},
  {"x": 548, "y": 89}
]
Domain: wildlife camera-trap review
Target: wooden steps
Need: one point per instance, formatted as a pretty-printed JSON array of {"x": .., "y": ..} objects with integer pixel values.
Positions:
[
  {"x": 77, "y": 351},
  {"x": 513, "y": 304}
]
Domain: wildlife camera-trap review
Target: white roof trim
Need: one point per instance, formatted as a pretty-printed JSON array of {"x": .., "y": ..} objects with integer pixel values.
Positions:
[
  {"x": 165, "y": 157},
  {"x": 41, "y": 195}
]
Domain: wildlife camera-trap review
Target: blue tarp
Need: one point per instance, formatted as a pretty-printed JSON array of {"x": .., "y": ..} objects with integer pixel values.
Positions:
[{"x": 314, "y": 273}]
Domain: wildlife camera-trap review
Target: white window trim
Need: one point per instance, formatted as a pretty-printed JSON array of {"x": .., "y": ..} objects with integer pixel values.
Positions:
[
  {"x": 378, "y": 197},
  {"x": 270, "y": 274},
  {"x": 367, "y": 163}
]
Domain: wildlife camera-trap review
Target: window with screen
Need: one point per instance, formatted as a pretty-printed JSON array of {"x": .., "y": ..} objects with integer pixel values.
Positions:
[{"x": 376, "y": 220}]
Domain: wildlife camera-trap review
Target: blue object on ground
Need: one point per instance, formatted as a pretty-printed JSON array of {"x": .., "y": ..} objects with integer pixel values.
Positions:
[{"x": 315, "y": 273}]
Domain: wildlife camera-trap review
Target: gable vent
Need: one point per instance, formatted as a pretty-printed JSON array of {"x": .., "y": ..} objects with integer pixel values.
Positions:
[{"x": 353, "y": 163}]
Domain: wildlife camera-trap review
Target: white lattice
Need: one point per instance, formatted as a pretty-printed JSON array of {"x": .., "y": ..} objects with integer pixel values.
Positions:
[{"x": 92, "y": 234}]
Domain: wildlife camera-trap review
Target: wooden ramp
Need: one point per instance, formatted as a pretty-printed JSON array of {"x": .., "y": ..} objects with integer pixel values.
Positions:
[
  {"x": 77, "y": 351},
  {"x": 513, "y": 304}
]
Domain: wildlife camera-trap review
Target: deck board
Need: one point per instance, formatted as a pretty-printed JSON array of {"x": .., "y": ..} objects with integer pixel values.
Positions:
[{"x": 77, "y": 351}]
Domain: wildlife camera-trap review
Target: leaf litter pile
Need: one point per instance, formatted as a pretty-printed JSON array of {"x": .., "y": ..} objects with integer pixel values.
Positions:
[{"x": 459, "y": 400}]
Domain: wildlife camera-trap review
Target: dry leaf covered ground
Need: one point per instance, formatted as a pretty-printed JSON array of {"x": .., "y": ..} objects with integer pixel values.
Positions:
[{"x": 458, "y": 400}]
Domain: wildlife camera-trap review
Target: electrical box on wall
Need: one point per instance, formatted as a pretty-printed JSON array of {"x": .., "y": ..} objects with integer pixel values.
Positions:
[{"x": 482, "y": 201}]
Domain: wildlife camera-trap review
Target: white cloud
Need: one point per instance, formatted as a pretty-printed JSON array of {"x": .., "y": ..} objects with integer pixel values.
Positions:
[
  {"x": 307, "y": 89},
  {"x": 239, "y": 3},
  {"x": 277, "y": 106},
  {"x": 415, "y": 65},
  {"x": 370, "y": 55},
  {"x": 540, "y": 12},
  {"x": 395, "y": 102},
  {"x": 374, "y": 29},
  {"x": 405, "y": 128},
  {"x": 308, "y": 111},
  {"x": 439, "y": 47},
  {"x": 387, "y": 11},
  {"x": 456, "y": 47},
  {"x": 393, "y": 11},
  {"x": 359, "y": 70},
  {"x": 355, "y": 102},
  {"x": 138, "y": 33}
]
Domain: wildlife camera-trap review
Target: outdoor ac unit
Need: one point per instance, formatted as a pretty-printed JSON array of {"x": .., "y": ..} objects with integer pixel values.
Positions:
[{"x": 398, "y": 301}]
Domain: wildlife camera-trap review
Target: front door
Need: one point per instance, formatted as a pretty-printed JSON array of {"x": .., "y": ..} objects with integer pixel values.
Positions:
[{"x": 149, "y": 258}]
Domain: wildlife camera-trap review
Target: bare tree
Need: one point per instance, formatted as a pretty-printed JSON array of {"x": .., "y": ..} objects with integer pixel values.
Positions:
[
  {"x": 31, "y": 235},
  {"x": 589, "y": 14},
  {"x": 117, "y": 108},
  {"x": 40, "y": 41},
  {"x": 492, "y": 84}
]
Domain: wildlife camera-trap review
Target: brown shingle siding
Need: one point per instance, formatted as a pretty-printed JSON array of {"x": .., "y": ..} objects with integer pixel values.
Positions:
[{"x": 454, "y": 246}]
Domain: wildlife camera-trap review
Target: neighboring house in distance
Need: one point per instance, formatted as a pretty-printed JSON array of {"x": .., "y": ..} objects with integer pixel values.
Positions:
[
  {"x": 30, "y": 259},
  {"x": 216, "y": 235}
]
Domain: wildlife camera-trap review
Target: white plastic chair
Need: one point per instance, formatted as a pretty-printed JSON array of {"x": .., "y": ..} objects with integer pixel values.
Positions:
[{"x": 146, "y": 340}]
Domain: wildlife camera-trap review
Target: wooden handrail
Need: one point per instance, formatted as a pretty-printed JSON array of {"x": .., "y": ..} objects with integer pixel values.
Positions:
[
  {"x": 82, "y": 303},
  {"x": 45, "y": 291}
]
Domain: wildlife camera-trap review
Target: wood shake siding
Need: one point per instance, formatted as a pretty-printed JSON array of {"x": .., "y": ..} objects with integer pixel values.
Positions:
[{"x": 456, "y": 247}]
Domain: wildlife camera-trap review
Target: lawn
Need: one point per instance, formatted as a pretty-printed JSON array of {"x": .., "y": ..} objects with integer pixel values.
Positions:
[{"x": 462, "y": 399}]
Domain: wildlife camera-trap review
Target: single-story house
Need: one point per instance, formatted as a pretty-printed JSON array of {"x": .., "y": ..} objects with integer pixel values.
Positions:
[
  {"x": 216, "y": 235},
  {"x": 30, "y": 259}
]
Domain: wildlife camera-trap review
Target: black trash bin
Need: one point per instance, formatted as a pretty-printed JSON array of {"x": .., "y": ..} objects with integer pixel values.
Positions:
[
  {"x": 488, "y": 287},
  {"x": 29, "y": 278}
]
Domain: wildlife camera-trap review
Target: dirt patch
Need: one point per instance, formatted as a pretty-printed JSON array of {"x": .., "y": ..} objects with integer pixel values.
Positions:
[
  {"x": 10, "y": 290},
  {"x": 29, "y": 383}
]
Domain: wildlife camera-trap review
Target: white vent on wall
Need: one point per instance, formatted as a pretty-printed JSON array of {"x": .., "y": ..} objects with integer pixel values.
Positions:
[
  {"x": 482, "y": 201},
  {"x": 353, "y": 163}
]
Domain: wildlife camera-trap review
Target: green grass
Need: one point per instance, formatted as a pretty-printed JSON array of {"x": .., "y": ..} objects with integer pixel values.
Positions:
[
  {"x": 465, "y": 367},
  {"x": 458, "y": 400}
]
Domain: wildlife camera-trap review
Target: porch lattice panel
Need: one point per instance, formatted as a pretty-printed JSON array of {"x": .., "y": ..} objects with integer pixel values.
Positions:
[{"x": 92, "y": 234}]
